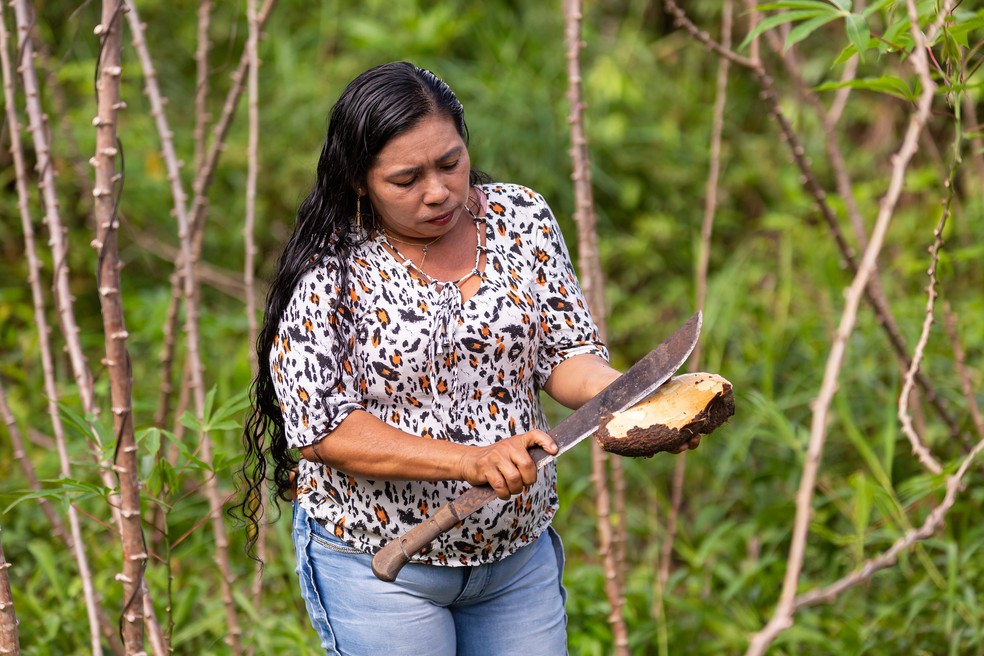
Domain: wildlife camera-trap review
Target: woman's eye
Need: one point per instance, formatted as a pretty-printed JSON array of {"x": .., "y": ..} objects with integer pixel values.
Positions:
[
  {"x": 403, "y": 183},
  {"x": 450, "y": 166}
]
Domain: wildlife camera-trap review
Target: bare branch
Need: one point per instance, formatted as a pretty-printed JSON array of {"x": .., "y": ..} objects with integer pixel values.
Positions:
[
  {"x": 107, "y": 191},
  {"x": 782, "y": 618},
  {"x": 49, "y": 197},
  {"x": 173, "y": 167},
  {"x": 250, "y": 247},
  {"x": 200, "y": 186},
  {"x": 933, "y": 522},
  {"x": 919, "y": 448},
  {"x": 703, "y": 261},
  {"x": 9, "y": 636},
  {"x": 201, "y": 82},
  {"x": 47, "y": 360},
  {"x": 594, "y": 293}
]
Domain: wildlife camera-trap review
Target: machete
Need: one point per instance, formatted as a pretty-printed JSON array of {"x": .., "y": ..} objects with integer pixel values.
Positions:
[{"x": 637, "y": 383}]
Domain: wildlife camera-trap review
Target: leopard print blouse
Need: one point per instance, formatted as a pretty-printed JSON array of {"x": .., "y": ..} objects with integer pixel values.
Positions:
[{"x": 434, "y": 366}]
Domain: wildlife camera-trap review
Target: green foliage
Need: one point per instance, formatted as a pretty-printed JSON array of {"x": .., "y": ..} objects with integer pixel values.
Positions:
[{"x": 775, "y": 294}]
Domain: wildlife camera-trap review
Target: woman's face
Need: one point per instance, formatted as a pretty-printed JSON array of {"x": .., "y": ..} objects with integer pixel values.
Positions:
[{"x": 418, "y": 184}]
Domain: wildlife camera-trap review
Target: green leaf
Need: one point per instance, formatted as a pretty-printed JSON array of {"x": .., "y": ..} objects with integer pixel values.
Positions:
[
  {"x": 189, "y": 420},
  {"x": 848, "y": 52},
  {"x": 815, "y": 5},
  {"x": 152, "y": 437},
  {"x": 233, "y": 405},
  {"x": 83, "y": 424},
  {"x": 863, "y": 498},
  {"x": 228, "y": 424},
  {"x": 781, "y": 19},
  {"x": 807, "y": 28},
  {"x": 64, "y": 489},
  {"x": 887, "y": 84},
  {"x": 876, "y": 6},
  {"x": 858, "y": 33},
  {"x": 209, "y": 402}
]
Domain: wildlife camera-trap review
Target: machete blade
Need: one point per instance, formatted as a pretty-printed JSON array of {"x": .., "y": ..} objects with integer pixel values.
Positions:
[
  {"x": 634, "y": 385},
  {"x": 637, "y": 383}
]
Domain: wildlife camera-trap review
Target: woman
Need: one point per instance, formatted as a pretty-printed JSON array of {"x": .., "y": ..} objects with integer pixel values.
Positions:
[{"x": 417, "y": 311}]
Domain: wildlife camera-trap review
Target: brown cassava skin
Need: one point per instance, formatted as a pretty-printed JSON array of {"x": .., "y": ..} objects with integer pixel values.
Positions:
[{"x": 684, "y": 407}]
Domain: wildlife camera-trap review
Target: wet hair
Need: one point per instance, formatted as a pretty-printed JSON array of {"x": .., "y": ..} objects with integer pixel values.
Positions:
[{"x": 377, "y": 106}]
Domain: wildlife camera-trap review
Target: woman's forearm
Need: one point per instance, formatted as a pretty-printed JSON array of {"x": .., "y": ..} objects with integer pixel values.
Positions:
[
  {"x": 363, "y": 445},
  {"x": 577, "y": 380}
]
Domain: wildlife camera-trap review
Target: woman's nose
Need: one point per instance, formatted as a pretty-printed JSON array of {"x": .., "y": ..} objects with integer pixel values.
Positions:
[{"x": 435, "y": 191}]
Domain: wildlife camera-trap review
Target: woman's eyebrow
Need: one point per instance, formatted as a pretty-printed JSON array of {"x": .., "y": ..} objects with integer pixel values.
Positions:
[{"x": 414, "y": 170}]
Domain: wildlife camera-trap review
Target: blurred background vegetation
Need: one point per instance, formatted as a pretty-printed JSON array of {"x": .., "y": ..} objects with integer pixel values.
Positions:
[{"x": 776, "y": 284}]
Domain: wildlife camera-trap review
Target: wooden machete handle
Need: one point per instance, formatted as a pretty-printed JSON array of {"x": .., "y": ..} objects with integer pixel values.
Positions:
[
  {"x": 389, "y": 560},
  {"x": 686, "y": 406}
]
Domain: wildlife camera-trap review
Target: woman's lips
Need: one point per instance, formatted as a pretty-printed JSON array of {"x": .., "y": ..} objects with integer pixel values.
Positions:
[{"x": 441, "y": 220}]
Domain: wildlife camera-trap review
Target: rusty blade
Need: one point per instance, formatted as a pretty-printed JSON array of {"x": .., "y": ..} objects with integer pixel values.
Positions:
[
  {"x": 637, "y": 383},
  {"x": 634, "y": 385}
]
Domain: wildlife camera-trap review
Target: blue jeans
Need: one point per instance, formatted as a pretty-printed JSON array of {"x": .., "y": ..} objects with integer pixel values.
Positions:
[{"x": 514, "y": 606}]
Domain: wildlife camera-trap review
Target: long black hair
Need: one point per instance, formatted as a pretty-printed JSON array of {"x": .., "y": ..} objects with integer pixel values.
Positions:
[{"x": 378, "y": 105}]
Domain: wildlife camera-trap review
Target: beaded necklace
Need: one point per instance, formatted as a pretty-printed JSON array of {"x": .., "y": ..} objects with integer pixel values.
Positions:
[
  {"x": 408, "y": 263},
  {"x": 423, "y": 246}
]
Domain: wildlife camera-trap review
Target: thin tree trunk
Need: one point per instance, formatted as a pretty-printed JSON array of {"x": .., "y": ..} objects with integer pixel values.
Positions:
[
  {"x": 106, "y": 192},
  {"x": 593, "y": 284},
  {"x": 9, "y": 636},
  {"x": 703, "y": 260},
  {"x": 37, "y": 126},
  {"x": 250, "y": 248},
  {"x": 201, "y": 83}
]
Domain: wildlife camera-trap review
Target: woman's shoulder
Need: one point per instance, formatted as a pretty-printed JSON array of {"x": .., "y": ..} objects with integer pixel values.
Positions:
[
  {"x": 512, "y": 191},
  {"x": 516, "y": 200}
]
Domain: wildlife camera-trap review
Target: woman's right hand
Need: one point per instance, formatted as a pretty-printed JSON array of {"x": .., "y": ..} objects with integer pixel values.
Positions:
[{"x": 506, "y": 465}]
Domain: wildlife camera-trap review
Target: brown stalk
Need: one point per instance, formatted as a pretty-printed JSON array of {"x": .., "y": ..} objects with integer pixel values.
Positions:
[
  {"x": 203, "y": 179},
  {"x": 9, "y": 636},
  {"x": 936, "y": 518},
  {"x": 60, "y": 103},
  {"x": 58, "y": 530},
  {"x": 782, "y": 618},
  {"x": 49, "y": 198},
  {"x": 179, "y": 197},
  {"x": 594, "y": 293},
  {"x": 200, "y": 136},
  {"x": 47, "y": 361},
  {"x": 919, "y": 448},
  {"x": 190, "y": 295},
  {"x": 106, "y": 192},
  {"x": 706, "y": 232},
  {"x": 250, "y": 247},
  {"x": 62, "y": 292},
  {"x": 201, "y": 82}
]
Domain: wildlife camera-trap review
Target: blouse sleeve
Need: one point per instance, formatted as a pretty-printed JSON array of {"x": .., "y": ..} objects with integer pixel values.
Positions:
[
  {"x": 566, "y": 326},
  {"x": 312, "y": 377}
]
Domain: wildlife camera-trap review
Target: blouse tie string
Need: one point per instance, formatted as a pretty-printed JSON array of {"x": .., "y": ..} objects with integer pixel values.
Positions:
[{"x": 442, "y": 347}]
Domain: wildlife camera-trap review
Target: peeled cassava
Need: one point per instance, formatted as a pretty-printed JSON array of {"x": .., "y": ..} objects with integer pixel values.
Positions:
[{"x": 683, "y": 407}]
